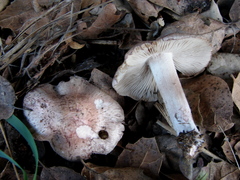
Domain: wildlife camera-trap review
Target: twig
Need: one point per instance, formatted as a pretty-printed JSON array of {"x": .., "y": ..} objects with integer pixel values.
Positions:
[{"x": 229, "y": 146}]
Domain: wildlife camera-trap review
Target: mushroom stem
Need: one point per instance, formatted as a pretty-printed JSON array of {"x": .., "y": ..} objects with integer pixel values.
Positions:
[{"x": 174, "y": 99}]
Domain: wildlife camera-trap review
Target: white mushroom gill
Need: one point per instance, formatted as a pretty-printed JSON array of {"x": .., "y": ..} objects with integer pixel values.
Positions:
[{"x": 169, "y": 86}]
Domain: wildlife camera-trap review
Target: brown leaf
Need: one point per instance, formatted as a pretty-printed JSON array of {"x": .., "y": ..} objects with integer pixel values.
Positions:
[
  {"x": 7, "y": 99},
  {"x": 182, "y": 7},
  {"x": 60, "y": 173},
  {"x": 231, "y": 45},
  {"x": 228, "y": 148},
  {"x": 92, "y": 171},
  {"x": 224, "y": 64},
  {"x": 144, "y": 9},
  {"x": 196, "y": 25},
  {"x": 221, "y": 170},
  {"x": 236, "y": 91},
  {"x": 215, "y": 106},
  {"x": 18, "y": 13},
  {"x": 108, "y": 17},
  {"x": 143, "y": 154},
  {"x": 234, "y": 13}
]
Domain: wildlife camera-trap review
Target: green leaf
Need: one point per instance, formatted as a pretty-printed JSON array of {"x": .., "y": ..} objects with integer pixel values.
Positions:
[
  {"x": 3, "y": 155},
  {"x": 23, "y": 130}
]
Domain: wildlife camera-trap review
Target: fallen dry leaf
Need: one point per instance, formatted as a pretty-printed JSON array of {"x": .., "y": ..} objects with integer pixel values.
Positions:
[
  {"x": 236, "y": 91},
  {"x": 143, "y": 154},
  {"x": 104, "y": 82},
  {"x": 7, "y": 99},
  {"x": 231, "y": 45},
  {"x": 237, "y": 149},
  {"x": 183, "y": 7},
  {"x": 215, "y": 105},
  {"x": 228, "y": 146},
  {"x": 224, "y": 64},
  {"x": 221, "y": 170},
  {"x": 196, "y": 25},
  {"x": 18, "y": 13},
  {"x": 108, "y": 17},
  {"x": 144, "y": 9},
  {"x": 234, "y": 13},
  {"x": 60, "y": 173},
  {"x": 92, "y": 171}
]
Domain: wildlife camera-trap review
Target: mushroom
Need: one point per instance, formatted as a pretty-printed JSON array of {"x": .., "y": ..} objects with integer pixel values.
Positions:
[
  {"x": 77, "y": 118},
  {"x": 149, "y": 73}
]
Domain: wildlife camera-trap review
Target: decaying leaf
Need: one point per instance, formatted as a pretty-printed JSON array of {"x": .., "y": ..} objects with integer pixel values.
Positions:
[
  {"x": 224, "y": 64},
  {"x": 215, "y": 105},
  {"x": 107, "y": 17},
  {"x": 221, "y": 170},
  {"x": 231, "y": 45},
  {"x": 227, "y": 148},
  {"x": 235, "y": 11},
  {"x": 104, "y": 82},
  {"x": 237, "y": 149},
  {"x": 60, "y": 173},
  {"x": 143, "y": 154},
  {"x": 196, "y": 25},
  {"x": 144, "y": 9},
  {"x": 16, "y": 14},
  {"x": 7, "y": 99},
  {"x": 184, "y": 6},
  {"x": 92, "y": 171},
  {"x": 236, "y": 91}
]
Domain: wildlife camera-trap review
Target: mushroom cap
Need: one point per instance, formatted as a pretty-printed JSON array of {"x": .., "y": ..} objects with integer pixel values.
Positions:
[
  {"x": 134, "y": 77},
  {"x": 76, "y": 117}
]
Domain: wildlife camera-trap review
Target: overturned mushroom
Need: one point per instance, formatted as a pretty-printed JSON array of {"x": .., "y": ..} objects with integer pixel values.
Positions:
[
  {"x": 77, "y": 118},
  {"x": 149, "y": 70}
]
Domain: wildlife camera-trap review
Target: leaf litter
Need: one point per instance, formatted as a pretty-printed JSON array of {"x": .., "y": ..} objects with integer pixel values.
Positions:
[{"x": 49, "y": 41}]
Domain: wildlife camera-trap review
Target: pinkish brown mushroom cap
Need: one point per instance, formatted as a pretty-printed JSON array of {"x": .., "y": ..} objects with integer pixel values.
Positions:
[{"x": 77, "y": 118}]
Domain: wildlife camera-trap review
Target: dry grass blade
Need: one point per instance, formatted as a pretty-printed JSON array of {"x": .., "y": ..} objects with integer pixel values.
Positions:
[
  {"x": 28, "y": 41},
  {"x": 230, "y": 147}
]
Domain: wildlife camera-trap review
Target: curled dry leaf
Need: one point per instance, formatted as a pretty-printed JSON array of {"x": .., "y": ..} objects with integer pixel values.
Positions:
[
  {"x": 221, "y": 170},
  {"x": 211, "y": 100},
  {"x": 236, "y": 91},
  {"x": 144, "y": 9},
  {"x": 7, "y": 99},
  {"x": 143, "y": 154},
  {"x": 237, "y": 149},
  {"x": 234, "y": 13},
  {"x": 227, "y": 148},
  {"x": 194, "y": 24},
  {"x": 224, "y": 64},
  {"x": 183, "y": 7},
  {"x": 231, "y": 45},
  {"x": 107, "y": 17},
  {"x": 92, "y": 171},
  {"x": 17, "y": 13}
]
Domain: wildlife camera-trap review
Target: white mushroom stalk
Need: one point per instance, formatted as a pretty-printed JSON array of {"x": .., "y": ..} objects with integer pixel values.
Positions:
[
  {"x": 169, "y": 86},
  {"x": 149, "y": 71}
]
